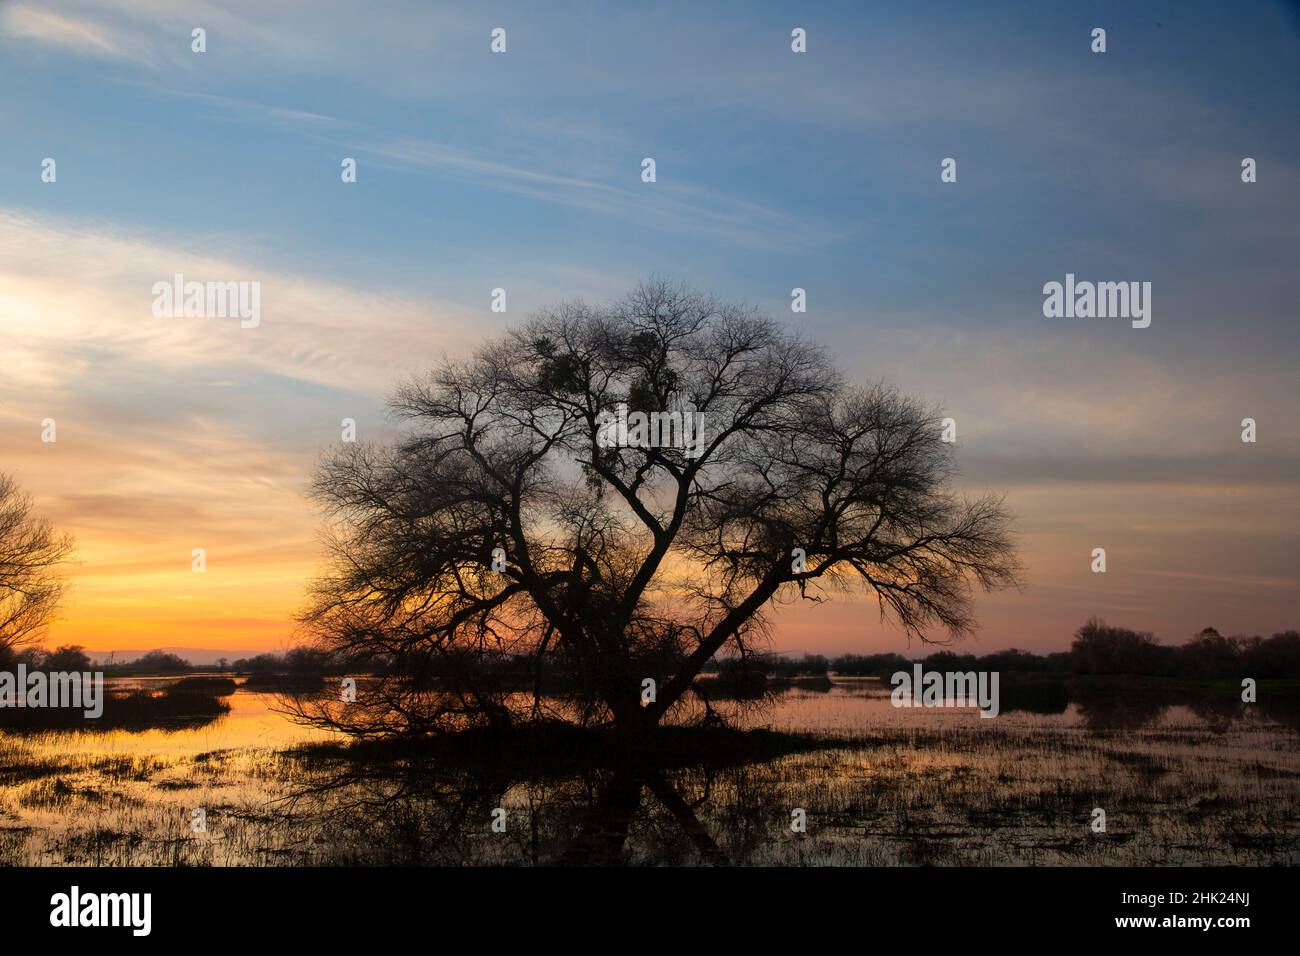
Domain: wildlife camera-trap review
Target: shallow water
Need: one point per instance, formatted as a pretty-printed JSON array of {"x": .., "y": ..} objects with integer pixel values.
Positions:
[
  {"x": 252, "y": 722},
  {"x": 1179, "y": 784}
]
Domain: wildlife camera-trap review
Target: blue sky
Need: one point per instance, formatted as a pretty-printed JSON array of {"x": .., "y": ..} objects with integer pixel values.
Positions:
[{"x": 775, "y": 170}]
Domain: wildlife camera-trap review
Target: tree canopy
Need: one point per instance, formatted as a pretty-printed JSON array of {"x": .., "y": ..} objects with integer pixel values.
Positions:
[
  {"x": 31, "y": 552},
  {"x": 505, "y": 526}
]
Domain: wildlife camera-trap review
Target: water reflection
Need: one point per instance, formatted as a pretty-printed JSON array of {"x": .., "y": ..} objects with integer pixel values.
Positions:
[
  {"x": 1205, "y": 778},
  {"x": 858, "y": 704},
  {"x": 432, "y": 811},
  {"x": 208, "y": 718}
]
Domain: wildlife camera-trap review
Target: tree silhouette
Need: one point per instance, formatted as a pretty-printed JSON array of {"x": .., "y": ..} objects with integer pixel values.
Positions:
[
  {"x": 69, "y": 657},
  {"x": 621, "y": 563},
  {"x": 30, "y": 554}
]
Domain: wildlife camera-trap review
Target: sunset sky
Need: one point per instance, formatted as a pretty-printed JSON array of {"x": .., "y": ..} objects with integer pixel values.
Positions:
[{"x": 775, "y": 170}]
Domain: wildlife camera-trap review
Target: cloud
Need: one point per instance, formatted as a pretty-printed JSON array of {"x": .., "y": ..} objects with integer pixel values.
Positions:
[
  {"x": 79, "y": 298},
  {"x": 76, "y": 35},
  {"x": 182, "y": 433},
  {"x": 243, "y": 35},
  {"x": 668, "y": 205}
]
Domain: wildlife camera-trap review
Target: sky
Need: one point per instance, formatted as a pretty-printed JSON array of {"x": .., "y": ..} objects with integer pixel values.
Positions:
[{"x": 774, "y": 170}]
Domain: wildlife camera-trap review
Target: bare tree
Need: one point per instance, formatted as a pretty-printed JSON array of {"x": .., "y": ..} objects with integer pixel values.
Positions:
[
  {"x": 30, "y": 555},
  {"x": 622, "y": 563}
]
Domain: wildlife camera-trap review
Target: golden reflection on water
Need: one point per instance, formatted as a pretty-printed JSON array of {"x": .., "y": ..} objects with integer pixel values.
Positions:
[
  {"x": 251, "y": 722},
  {"x": 852, "y": 706}
]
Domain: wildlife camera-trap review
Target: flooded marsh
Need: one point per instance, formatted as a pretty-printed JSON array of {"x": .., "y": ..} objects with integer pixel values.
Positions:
[{"x": 1200, "y": 782}]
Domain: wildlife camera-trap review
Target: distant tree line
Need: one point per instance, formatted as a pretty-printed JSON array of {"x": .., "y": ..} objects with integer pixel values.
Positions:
[
  {"x": 1010, "y": 661},
  {"x": 1101, "y": 649},
  {"x": 1098, "y": 649},
  {"x": 67, "y": 658},
  {"x": 299, "y": 660},
  {"x": 72, "y": 657}
]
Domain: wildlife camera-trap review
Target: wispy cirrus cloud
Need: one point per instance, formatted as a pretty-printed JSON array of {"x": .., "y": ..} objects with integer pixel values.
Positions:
[
  {"x": 666, "y": 205},
  {"x": 78, "y": 296},
  {"x": 24, "y": 22}
]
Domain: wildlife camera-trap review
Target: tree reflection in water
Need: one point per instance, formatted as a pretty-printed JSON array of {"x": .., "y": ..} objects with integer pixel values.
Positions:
[{"x": 395, "y": 805}]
